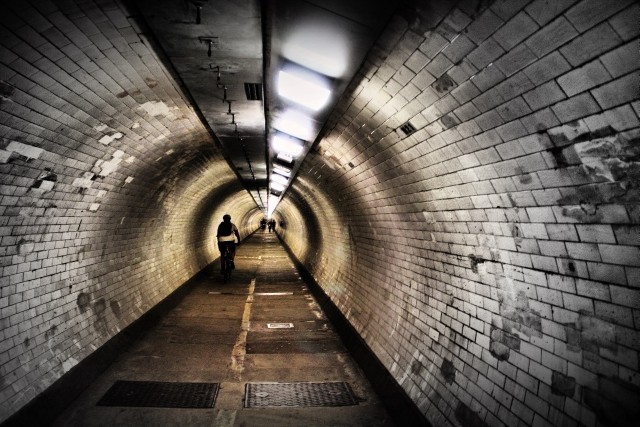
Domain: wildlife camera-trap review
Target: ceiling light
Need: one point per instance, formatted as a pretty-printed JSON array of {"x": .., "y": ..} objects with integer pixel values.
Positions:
[
  {"x": 303, "y": 87},
  {"x": 279, "y": 179},
  {"x": 282, "y": 170},
  {"x": 295, "y": 123},
  {"x": 321, "y": 47},
  {"x": 283, "y": 143},
  {"x": 284, "y": 157},
  {"x": 277, "y": 186}
]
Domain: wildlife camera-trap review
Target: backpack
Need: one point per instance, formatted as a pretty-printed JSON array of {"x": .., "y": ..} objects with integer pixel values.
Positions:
[{"x": 225, "y": 229}]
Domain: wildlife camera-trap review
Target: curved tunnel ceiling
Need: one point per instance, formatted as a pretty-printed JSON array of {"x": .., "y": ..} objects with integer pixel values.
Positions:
[{"x": 229, "y": 55}]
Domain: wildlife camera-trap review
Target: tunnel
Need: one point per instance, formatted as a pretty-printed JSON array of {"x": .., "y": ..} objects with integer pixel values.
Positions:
[{"x": 465, "y": 205}]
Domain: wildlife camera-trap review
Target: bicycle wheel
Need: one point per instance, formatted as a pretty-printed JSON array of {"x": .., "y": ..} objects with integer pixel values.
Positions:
[{"x": 227, "y": 269}]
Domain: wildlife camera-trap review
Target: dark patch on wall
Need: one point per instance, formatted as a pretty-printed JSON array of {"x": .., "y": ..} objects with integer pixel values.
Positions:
[
  {"x": 590, "y": 333},
  {"x": 115, "y": 308},
  {"x": 586, "y": 212},
  {"x": 516, "y": 314},
  {"x": 122, "y": 94},
  {"x": 467, "y": 417},
  {"x": 448, "y": 371},
  {"x": 443, "y": 84},
  {"x": 561, "y": 139},
  {"x": 151, "y": 83},
  {"x": 421, "y": 18},
  {"x": 83, "y": 302},
  {"x": 562, "y": 384},
  {"x": 351, "y": 165},
  {"x": 501, "y": 343},
  {"x": 99, "y": 308},
  {"x": 416, "y": 367},
  {"x": 558, "y": 155},
  {"x": 449, "y": 121},
  {"x": 615, "y": 402},
  {"x": 473, "y": 8},
  {"x": 25, "y": 247},
  {"x": 6, "y": 90},
  {"x": 26, "y": 342},
  {"x": 525, "y": 179},
  {"x": 475, "y": 260},
  {"x": 50, "y": 332}
]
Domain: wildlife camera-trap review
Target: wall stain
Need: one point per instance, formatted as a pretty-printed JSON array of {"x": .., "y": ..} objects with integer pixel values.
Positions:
[
  {"x": 475, "y": 260},
  {"x": 590, "y": 333},
  {"x": 562, "y": 385},
  {"x": 501, "y": 343},
  {"x": 467, "y": 417},
  {"x": 448, "y": 371},
  {"x": 525, "y": 179},
  {"x": 449, "y": 121},
  {"x": 151, "y": 83},
  {"x": 83, "y": 302},
  {"x": 416, "y": 367},
  {"x": 99, "y": 308},
  {"x": 115, "y": 308},
  {"x": 50, "y": 332},
  {"x": 443, "y": 84},
  {"x": 25, "y": 247}
]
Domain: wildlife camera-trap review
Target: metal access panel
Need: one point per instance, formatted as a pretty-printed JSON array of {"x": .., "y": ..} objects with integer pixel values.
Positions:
[
  {"x": 160, "y": 394},
  {"x": 300, "y": 394}
]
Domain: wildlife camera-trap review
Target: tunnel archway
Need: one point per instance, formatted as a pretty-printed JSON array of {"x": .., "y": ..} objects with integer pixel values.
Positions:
[{"x": 471, "y": 206}]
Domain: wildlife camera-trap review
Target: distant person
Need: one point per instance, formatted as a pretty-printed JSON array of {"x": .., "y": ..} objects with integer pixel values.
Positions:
[
  {"x": 263, "y": 223},
  {"x": 227, "y": 234},
  {"x": 272, "y": 225}
]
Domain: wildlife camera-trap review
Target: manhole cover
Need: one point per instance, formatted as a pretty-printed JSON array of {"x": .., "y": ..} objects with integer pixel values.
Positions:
[
  {"x": 160, "y": 394},
  {"x": 263, "y": 395}
]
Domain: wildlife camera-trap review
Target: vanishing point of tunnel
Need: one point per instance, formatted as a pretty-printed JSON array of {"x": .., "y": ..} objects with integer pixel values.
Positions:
[{"x": 455, "y": 187}]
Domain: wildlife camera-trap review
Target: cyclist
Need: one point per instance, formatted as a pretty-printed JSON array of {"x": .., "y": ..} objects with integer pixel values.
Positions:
[{"x": 227, "y": 234}]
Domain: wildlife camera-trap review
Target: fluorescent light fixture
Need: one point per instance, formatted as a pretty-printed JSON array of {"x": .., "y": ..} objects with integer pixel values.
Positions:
[
  {"x": 281, "y": 170},
  {"x": 296, "y": 123},
  {"x": 279, "y": 179},
  {"x": 320, "y": 47},
  {"x": 287, "y": 158},
  {"x": 283, "y": 143},
  {"x": 277, "y": 186},
  {"x": 303, "y": 87}
]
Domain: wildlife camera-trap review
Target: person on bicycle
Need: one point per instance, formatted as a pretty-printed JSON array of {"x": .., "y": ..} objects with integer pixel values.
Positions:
[{"x": 227, "y": 234}]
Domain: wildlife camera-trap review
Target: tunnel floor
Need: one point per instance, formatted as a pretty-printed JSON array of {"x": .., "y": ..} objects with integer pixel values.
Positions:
[{"x": 233, "y": 337}]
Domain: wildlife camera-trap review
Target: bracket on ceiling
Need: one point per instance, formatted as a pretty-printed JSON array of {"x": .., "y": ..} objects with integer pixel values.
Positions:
[
  {"x": 209, "y": 41},
  {"x": 198, "y": 4}
]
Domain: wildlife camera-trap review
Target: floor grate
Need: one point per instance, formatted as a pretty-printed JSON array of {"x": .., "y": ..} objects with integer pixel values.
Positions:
[
  {"x": 264, "y": 395},
  {"x": 160, "y": 394}
]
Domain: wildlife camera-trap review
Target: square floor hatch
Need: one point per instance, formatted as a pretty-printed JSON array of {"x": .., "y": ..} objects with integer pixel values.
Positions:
[
  {"x": 264, "y": 395},
  {"x": 160, "y": 394}
]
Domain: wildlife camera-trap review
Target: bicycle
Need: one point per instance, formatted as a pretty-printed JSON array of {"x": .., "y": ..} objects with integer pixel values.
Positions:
[{"x": 227, "y": 263}]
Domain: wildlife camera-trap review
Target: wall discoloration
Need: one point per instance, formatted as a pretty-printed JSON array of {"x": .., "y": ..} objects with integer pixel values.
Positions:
[
  {"x": 467, "y": 417},
  {"x": 590, "y": 333},
  {"x": 563, "y": 385},
  {"x": 502, "y": 343},
  {"x": 448, "y": 371},
  {"x": 83, "y": 301}
]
